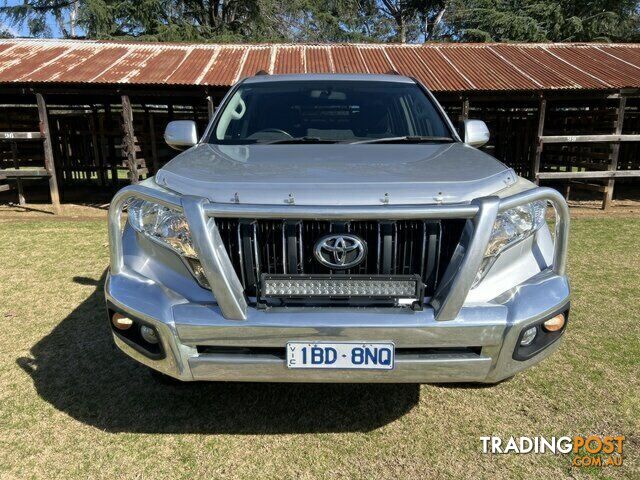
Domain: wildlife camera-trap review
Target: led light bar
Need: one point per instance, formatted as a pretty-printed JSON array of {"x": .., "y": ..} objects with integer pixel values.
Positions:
[{"x": 361, "y": 286}]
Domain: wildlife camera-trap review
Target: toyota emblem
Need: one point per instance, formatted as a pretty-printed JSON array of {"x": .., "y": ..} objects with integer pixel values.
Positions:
[{"x": 340, "y": 251}]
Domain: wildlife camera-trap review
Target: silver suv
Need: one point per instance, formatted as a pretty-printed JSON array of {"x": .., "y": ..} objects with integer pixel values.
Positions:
[{"x": 336, "y": 228}]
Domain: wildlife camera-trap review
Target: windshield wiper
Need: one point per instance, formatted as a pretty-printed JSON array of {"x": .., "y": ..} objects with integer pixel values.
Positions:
[
  {"x": 406, "y": 139},
  {"x": 299, "y": 140}
]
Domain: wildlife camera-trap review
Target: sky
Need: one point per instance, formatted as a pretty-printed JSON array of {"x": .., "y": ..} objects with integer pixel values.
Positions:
[{"x": 23, "y": 31}]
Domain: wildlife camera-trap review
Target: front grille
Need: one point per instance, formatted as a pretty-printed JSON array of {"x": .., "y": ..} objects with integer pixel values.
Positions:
[{"x": 401, "y": 247}]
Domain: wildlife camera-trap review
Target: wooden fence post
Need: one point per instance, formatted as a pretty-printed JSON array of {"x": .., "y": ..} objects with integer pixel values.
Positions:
[
  {"x": 48, "y": 152},
  {"x": 128, "y": 140},
  {"x": 152, "y": 137},
  {"x": 465, "y": 108},
  {"x": 16, "y": 165},
  {"x": 542, "y": 111},
  {"x": 615, "y": 153},
  {"x": 97, "y": 152},
  {"x": 107, "y": 124},
  {"x": 210, "y": 107}
]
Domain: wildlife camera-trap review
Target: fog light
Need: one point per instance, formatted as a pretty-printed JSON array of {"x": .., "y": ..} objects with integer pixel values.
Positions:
[
  {"x": 121, "y": 322},
  {"x": 554, "y": 324},
  {"x": 149, "y": 334},
  {"x": 529, "y": 336}
]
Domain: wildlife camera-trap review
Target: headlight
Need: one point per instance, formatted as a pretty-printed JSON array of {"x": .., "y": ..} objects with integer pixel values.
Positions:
[
  {"x": 511, "y": 227},
  {"x": 170, "y": 228},
  {"x": 166, "y": 225}
]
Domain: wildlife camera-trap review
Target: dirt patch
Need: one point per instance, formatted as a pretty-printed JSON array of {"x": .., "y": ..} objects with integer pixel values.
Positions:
[
  {"x": 593, "y": 208},
  {"x": 70, "y": 211}
]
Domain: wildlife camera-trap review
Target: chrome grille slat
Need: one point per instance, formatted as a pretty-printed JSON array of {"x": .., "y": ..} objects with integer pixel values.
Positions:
[
  {"x": 300, "y": 252},
  {"x": 394, "y": 262},
  {"x": 423, "y": 257},
  {"x": 243, "y": 280},
  {"x": 284, "y": 248},
  {"x": 256, "y": 257}
]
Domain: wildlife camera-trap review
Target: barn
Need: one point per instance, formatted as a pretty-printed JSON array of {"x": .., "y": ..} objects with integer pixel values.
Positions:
[{"x": 83, "y": 118}]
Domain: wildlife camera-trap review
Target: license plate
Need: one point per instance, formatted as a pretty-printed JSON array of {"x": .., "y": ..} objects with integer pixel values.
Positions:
[{"x": 371, "y": 356}]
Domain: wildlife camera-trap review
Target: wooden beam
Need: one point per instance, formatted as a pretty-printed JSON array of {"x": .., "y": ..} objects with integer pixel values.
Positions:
[
  {"x": 27, "y": 173},
  {"x": 588, "y": 186},
  {"x": 625, "y": 92},
  {"x": 128, "y": 140},
  {"x": 48, "y": 152},
  {"x": 615, "y": 152},
  {"x": 11, "y": 136},
  {"x": 590, "y": 138},
  {"x": 4, "y": 187},
  {"x": 542, "y": 111},
  {"x": 579, "y": 175}
]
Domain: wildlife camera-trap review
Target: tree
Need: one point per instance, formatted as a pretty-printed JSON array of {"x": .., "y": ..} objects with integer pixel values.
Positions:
[
  {"x": 402, "y": 13},
  {"x": 416, "y": 19},
  {"x": 332, "y": 20},
  {"x": 34, "y": 15},
  {"x": 541, "y": 20},
  {"x": 165, "y": 20},
  {"x": 335, "y": 21},
  {"x": 431, "y": 14}
]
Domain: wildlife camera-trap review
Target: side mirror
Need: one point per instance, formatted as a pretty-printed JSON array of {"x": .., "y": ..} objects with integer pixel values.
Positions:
[
  {"x": 181, "y": 134},
  {"x": 476, "y": 133}
]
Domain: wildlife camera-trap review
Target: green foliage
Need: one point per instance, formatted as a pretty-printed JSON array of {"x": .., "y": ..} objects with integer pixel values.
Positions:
[
  {"x": 332, "y": 20},
  {"x": 162, "y": 20},
  {"x": 542, "y": 20},
  {"x": 335, "y": 21}
]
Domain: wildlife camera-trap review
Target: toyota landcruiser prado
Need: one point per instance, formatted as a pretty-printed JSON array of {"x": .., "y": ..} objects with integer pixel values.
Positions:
[{"x": 336, "y": 228}]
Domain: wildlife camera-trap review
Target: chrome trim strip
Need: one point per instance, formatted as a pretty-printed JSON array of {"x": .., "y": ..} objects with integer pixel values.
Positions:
[
  {"x": 450, "y": 295},
  {"x": 341, "y": 212},
  {"x": 261, "y": 368}
]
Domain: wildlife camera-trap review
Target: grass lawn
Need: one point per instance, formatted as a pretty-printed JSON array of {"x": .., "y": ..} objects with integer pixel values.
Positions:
[{"x": 71, "y": 406}]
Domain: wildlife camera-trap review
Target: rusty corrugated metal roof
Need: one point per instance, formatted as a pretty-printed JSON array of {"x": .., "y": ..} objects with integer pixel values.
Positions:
[{"x": 441, "y": 67}]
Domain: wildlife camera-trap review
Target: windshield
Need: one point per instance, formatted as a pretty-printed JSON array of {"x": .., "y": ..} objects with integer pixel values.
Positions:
[{"x": 327, "y": 112}]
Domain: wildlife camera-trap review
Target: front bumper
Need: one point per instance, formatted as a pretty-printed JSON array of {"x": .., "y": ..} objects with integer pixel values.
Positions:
[{"x": 477, "y": 346}]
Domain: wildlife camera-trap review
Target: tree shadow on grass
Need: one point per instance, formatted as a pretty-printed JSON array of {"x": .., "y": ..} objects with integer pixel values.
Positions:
[{"x": 79, "y": 371}]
